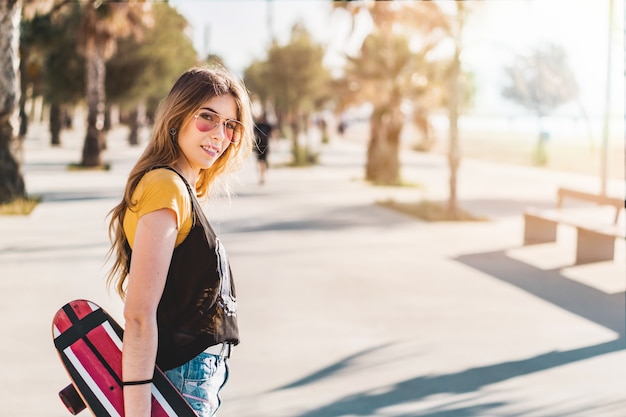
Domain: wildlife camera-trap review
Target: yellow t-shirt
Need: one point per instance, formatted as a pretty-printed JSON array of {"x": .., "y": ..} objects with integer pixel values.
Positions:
[{"x": 158, "y": 189}]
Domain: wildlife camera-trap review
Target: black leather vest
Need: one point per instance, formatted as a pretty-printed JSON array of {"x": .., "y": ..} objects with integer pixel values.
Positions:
[{"x": 198, "y": 307}]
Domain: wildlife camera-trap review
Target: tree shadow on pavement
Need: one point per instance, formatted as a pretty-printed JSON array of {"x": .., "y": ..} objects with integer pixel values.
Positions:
[
  {"x": 332, "y": 369},
  {"x": 468, "y": 381},
  {"x": 603, "y": 309},
  {"x": 81, "y": 195},
  {"x": 347, "y": 217},
  {"x": 550, "y": 285}
]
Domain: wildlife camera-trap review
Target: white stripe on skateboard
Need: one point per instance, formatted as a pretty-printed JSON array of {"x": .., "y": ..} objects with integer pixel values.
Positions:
[
  {"x": 93, "y": 306},
  {"x": 114, "y": 337},
  {"x": 161, "y": 400},
  {"x": 91, "y": 383}
]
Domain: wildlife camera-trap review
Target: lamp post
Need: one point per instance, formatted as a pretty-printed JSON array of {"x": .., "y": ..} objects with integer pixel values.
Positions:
[
  {"x": 607, "y": 106},
  {"x": 270, "y": 21}
]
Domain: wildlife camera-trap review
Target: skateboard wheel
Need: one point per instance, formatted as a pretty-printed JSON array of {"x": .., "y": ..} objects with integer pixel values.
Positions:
[{"x": 71, "y": 399}]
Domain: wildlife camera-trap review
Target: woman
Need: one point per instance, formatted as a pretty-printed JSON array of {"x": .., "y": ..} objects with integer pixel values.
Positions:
[{"x": 172, "y": 271}]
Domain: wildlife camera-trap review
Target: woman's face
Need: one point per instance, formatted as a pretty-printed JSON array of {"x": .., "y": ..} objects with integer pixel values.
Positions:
[{"x": 202, "y": 145}]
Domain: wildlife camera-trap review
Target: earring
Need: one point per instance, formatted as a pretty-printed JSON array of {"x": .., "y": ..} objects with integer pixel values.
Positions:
[{"x": 173, "y": 132}]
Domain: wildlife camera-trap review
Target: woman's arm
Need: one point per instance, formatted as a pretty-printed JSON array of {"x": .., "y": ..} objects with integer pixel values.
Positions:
[{"x": 152, "y": 252}]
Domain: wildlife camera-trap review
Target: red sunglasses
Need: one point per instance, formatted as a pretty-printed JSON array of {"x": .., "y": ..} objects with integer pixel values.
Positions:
[{"x": 207, "y": 120}]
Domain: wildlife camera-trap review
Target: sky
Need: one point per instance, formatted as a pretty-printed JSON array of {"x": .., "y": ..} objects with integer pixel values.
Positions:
[
  {"x": 238, "y": 31},
  {"x": 581, "y": 26}
]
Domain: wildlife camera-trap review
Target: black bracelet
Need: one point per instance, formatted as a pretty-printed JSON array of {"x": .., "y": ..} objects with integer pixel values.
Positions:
[{"x": 131, "y": 383}]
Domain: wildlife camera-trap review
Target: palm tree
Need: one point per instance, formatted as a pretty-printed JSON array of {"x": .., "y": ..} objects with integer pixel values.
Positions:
[
  {"x": 11, "y": 179},
  {"x": 103, "y": 23},
  {"x": 378, "y": 75},
  {"x": 388, "y": 71},
  {"x": 11, "y": 11},
  {"x": 101, "y": 26},
  {"x": 435, "y": 23}
]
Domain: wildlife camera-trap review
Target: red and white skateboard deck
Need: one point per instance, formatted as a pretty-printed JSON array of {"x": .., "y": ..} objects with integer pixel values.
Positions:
[{"x": 89, "y": 343}]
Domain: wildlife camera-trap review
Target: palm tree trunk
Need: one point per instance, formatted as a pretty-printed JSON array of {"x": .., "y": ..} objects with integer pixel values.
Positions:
[
  {"x": 383, "y": 159},
  {"x": 11, "y": 179},
  {"x": 296, "y": 149},
  {"x": 56, "y": 123},
  {"x": 24, "y": 53},
  {"x": 95, "y": 107},
  {"x": 133, "y": 123}
]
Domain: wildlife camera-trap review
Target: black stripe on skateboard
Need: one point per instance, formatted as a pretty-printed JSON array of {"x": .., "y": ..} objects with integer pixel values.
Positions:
[
  {"x": 95, "y": 405},
  {"x": 79, "y": 327},
  {"x": 79, "y": 330},
  {"x": 172, "y": 396}
]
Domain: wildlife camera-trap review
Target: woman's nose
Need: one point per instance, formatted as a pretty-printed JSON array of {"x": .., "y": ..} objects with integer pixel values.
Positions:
[{"x": 220, "y": 131}]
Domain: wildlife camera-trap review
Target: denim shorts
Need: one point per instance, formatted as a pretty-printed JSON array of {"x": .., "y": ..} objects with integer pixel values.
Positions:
[{"x": 200, "y": 381}]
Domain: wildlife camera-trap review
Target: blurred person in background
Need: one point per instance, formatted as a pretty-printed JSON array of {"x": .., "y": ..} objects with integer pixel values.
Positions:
[{"x": 263, "y": 134}]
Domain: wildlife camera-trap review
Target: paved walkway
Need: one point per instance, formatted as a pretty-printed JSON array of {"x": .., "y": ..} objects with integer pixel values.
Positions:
[{"x": 346, "y": 308}]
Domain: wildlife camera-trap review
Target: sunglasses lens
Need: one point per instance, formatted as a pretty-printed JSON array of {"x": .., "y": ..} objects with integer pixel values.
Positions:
[
  {"x": 233, "y": 130},
  {"x": 207, "y": 121}
]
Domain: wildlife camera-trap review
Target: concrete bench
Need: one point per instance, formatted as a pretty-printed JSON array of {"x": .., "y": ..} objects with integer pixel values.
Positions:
[{"x": 595, "y": 239}]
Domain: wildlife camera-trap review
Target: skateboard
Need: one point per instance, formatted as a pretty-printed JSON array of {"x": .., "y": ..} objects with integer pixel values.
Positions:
[{"x": 89, "y": 343}]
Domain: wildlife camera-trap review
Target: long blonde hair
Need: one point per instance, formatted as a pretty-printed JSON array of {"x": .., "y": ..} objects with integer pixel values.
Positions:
[{"x": 193, "y": 88}]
